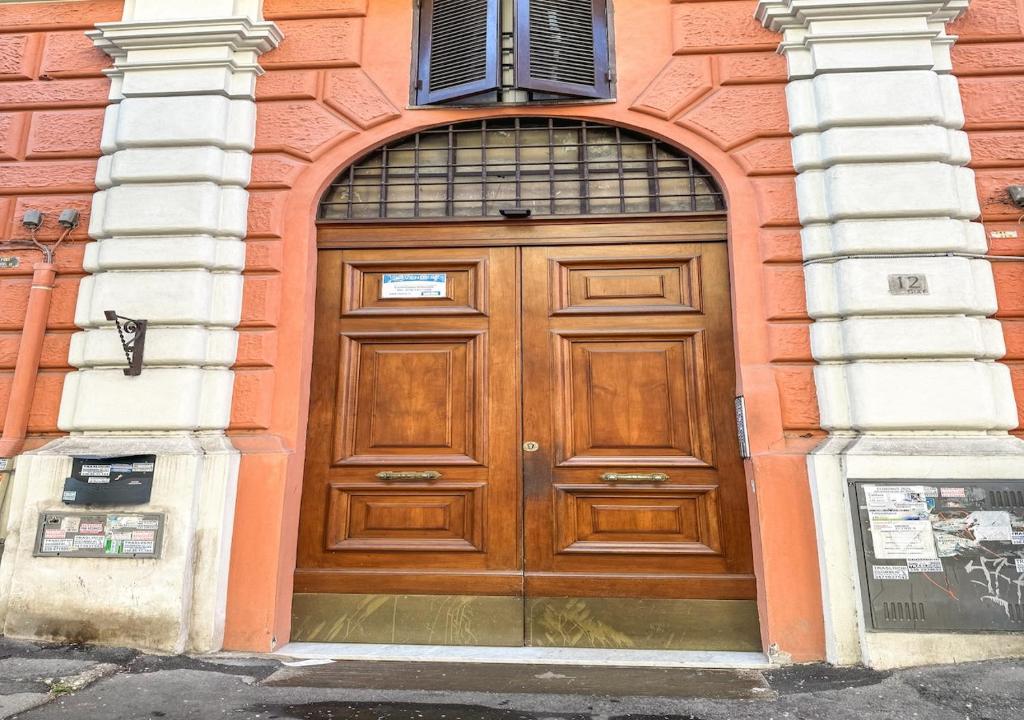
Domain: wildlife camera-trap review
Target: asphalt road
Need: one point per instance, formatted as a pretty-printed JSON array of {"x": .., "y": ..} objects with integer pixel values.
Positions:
[{"x": 40, "y": 683}]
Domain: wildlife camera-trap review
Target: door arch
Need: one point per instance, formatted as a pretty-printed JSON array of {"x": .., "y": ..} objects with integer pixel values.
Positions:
[{"x": 431, "y": 354}]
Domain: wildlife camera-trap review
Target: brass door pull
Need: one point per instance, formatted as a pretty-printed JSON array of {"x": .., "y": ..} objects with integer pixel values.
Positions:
[
  {"x": 428, "y": 476},
  {"x": 635, "y": 477}
]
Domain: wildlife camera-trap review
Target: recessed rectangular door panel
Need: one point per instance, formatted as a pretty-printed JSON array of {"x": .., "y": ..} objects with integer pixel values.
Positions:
[
  {"x": 637, "y": 488},
  {"x": 412, "y": 463}
]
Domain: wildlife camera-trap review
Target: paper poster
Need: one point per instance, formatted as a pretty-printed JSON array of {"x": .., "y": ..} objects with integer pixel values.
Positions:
[
  {"x": 414, "y": 285},
  {"x": 990, "y": 525},
  {"x": 890, "y": 572},
  {"x": 900, "y": 527},
  {"x": 925, "y": 565}
]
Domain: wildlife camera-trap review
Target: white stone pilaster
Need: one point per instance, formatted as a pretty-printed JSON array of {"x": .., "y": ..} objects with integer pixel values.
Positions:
[
  {"x": 884, "y": 191},
  {"x": 169, "y": 223}
]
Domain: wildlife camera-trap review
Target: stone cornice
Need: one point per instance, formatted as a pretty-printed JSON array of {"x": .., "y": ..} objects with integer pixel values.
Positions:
[
  {"x": 780, "y": 15},
  {"x": 240, "y": 34}
]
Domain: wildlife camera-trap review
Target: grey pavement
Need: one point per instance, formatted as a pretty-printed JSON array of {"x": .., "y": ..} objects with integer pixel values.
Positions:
[{"x": 42, "y": 682}]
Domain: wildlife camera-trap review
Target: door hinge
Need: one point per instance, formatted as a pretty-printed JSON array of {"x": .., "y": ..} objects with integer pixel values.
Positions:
[{"x": 741, "y": 427}]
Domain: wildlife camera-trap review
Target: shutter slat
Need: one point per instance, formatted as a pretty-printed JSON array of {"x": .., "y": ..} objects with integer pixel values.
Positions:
[
  {"x": 562, "y": 47},
  {"x": 459, "y": 49}
]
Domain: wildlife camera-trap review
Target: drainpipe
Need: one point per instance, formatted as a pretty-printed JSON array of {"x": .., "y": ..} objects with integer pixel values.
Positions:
[{"x": 27, "y": 368}]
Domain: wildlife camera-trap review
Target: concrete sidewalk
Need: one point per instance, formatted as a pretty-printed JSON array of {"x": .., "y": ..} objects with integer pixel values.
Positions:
[{"x": 42, "y": 682}]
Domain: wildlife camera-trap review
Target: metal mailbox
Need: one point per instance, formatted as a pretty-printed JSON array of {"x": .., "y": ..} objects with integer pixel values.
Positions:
[{"x": 110, "y": 481}]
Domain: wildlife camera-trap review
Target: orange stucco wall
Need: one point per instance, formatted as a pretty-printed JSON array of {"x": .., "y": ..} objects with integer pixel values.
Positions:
[
  {"x": 703, "y": 75},
  {"x": 52, "y": 95},
  {"x": 989, "y": 60}
]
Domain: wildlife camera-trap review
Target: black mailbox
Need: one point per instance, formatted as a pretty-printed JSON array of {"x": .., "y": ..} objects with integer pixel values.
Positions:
[{"x": 110, "y": 480}]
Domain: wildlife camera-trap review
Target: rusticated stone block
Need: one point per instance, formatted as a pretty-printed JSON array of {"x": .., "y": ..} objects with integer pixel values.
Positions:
[
  {"x": 6, "y": 223},
  {"x": 776, "y": 201},
  {"x": 52, "y": 206},
  {"x": 62, "y": 306},
  {"x": 42, "y": 93},
  {"x": 992, "y": 100},
  {"x": 1013, "y": 333},
  {"x": 270, "y": 170},
  {"x": 717, "y": 25},
  {"x": 261, "y": 301},
  {"x": 83, "y": 15},
  {"x": 790, "y": 342},
  {"x": 66, "y": 133},
  {"x": 736, "y": 114},
  {"x": 780, "y": 245},
  {"x": 797, "y": 397},
  {"x": 72, "y": 54},
  {"x": 988, "y": 58},
  {"x": 677, "y": 86},
  {"x": 352, "y": 92},
  {"x": 46, "y": 402},
  {"x": 12, "y": 132},
  {"x": 335, "y": 42},
  {"x": 785, "y": 297},
  {"x": 256, "y": 348},
  {"x": 264, "y": 256},
  {"x": 283, "y": 9},
  {"x": 994, "y": 149},
  {"x": 769, "y": 156},
  {"x": 298, "y": 128},
  {"x": 1009, "y": 277},
  {"x": 13, "y": 301},
  {"x": 989, "y": 18},
  {"x": 995, "y": 203},
  {"x": 67, "y": 176},
  {"x": 55, "y": 351},
  {"x": 253, "y": 401},
  {"x": 287, "y": 85},
  {"x": 266, "y": 213},
  {"x": 15, "y": 56},
  {"x": 740, "y": 68}
]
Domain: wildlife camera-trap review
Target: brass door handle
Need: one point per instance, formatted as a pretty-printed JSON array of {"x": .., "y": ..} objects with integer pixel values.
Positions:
[
  {"x": 427, "y": 476},
  {"x": 635, "y": 477}
]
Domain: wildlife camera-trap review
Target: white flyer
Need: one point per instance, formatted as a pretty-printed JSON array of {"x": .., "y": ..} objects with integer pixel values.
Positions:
[
  {"x": 414, "y": 285},
  {"x": 991, "y": 525},
  {"x": 900, "y": 528}
]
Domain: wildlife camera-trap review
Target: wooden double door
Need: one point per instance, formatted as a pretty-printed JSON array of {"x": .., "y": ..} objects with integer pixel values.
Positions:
[{"x": 525, "y": 422}]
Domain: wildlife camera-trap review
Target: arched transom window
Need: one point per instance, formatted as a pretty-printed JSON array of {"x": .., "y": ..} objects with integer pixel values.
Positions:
[{"x": 550, "y": 166}]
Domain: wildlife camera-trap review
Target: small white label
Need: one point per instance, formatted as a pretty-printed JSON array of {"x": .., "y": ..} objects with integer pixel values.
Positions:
[
  {"x": 1002, "y": 234},
  {"x": 138, "y": 546},
  {"x": 95, "y": 471},
  {"x": 1019, "y": 562},
  {"x": 924, "y": 565},
  {"x": 414, "y": 285},
  {"x": 890, "y": 572},
  {"x": 56, "y": 546},
  {"x": 1017, "y": 538},
  {"x": 69, "y": 495},
  {"x": 88, "y": 542},
  {"x": 953, "y": 492}
]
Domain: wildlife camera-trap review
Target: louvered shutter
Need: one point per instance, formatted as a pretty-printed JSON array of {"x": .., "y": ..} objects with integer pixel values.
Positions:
[
  {"x": 562, "y": 47},
  {"x": 459, "y": 49}
]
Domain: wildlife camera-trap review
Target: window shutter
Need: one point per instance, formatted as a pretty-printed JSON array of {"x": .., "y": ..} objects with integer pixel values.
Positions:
[
  {"x": 459, "y": 49},
  {"x": 562, "y": 47}
]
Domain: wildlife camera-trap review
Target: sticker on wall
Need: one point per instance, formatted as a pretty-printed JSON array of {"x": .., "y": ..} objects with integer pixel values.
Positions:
[
  {"x": 99, "y": 535},
  {"x": 414, "y": 285},
  {"x": 9, "y": 261},
  {"x": 924, "y": 565},
  {"x": 890, "y": 572}
]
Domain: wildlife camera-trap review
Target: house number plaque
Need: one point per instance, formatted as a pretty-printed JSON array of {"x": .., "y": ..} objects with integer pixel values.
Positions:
[{"x": 908, "y": 284}]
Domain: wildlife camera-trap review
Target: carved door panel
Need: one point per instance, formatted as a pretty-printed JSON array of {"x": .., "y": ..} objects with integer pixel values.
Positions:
[
  {"x": 637, "y": 488},
  {"x": 412, "y": 465}
]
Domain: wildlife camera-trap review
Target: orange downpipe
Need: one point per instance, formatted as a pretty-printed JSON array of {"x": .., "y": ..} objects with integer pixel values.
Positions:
[{"x": 29, "y": 352}]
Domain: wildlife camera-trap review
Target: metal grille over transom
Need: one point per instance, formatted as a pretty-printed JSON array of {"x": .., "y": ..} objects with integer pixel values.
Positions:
[{"x": 551, "y": 166}]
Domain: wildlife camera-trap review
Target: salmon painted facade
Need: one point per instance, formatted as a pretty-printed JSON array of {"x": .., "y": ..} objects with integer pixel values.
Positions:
[{"x": 202, "y": 143}]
